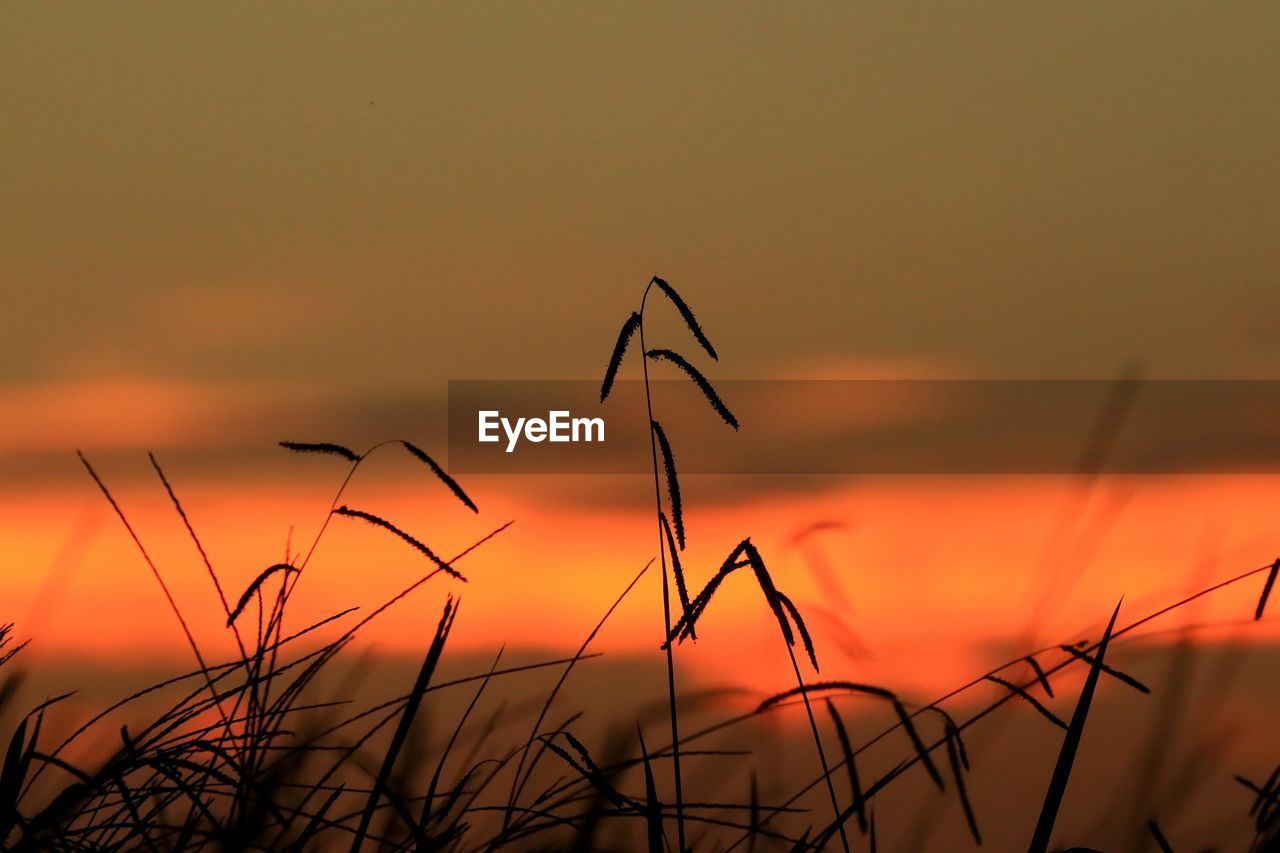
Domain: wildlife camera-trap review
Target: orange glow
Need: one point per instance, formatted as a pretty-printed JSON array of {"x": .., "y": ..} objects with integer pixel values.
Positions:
[{"x": 940, "y": 574}]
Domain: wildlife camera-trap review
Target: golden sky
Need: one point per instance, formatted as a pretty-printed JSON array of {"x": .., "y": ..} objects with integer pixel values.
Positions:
[{"x": 354, "y": 196}]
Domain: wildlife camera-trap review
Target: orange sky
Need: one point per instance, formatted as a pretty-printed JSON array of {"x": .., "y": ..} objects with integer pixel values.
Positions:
[{"x": 939, "y": 573}]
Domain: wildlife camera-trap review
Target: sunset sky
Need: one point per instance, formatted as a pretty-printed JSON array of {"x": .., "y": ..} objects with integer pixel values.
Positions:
[{"x": 299, "y": 221}]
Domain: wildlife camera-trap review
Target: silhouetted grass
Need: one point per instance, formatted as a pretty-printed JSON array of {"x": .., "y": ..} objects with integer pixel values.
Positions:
[
  {"x": 673, "y": 482},
  {"x": 254, "y": 587},
  {"x": 704, "y": 385},
  {"x": 251, "y": 753},
  {"x": 1266, "y": 590},
  {"x": 1070, "y": 746},
  {"x": 191, "y": 779},
  {"x": 421, "y": 456},
  {"x": 414, "y": 542}
]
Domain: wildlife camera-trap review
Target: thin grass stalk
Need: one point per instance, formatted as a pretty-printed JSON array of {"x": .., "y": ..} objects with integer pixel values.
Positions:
[
  {"x": 406, "y": 720},
  {"x": 393, "y": 709},
  {"x": 1158, "y": 836},
  {"x": 424, "y": 818},
  {"x": 522, "y": 778},
  {"x": 817, "y": 742},
  {"x": 1266, "y": 590},
  {"x": 855, "y": 786},
  {"x": 666, "y": 592},
  {"x": 275, "y": 625},
  {"x": 164, "y": 588},
  {"x": 204, "y": 556},
  {"x": 1070, "y": 745},
  {"x": 252, "y": 695}
]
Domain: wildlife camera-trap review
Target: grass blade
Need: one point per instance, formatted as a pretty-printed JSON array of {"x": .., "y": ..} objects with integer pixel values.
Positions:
[
  {"x": 957, "y": 773},
  {"x": 673, "y": 482},
  {"x": 619, "y": 350},
  {"x": 1266, "y": 589},
  {"x": 406, "y": 720},
  {"x": 1111, "y": 671},
  {"x": 754, "y": 814},
  {"x": 444, "y": 477},
  {"x": 1161, "y": 841},
  {"x": 687, "y": 313},
  {"x": 855, "y": 786},
  {"x": 1031, "y": 700},
  {"x": 1070, "y": 745},
  {"x": 386, "y": 525},
  {"x": 701, "y": 381},
  {"x": 822, "y": 755},
  {"x": 1041, "y": 675},
  {"x": 800, "y": 627},
  {"x": 12, "y": 775},
  {"x": 586, "y": 767},
  {"x": 677, "y": 569},
  {"x": 652, "y": 807},
  {"x": 904, "y": 718},
  {"x": 321, "y": 447},
  {"x": 254, "y": 587},
  {"x": 518, "y": 781}
]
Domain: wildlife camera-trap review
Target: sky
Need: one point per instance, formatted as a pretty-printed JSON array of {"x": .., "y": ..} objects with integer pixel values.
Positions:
[
  {"x": 267, "y": 223},
  {"x": 329, "y": 194}
]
